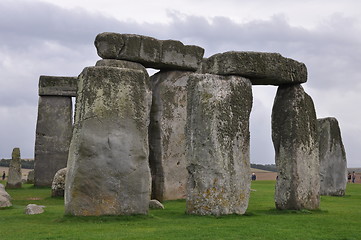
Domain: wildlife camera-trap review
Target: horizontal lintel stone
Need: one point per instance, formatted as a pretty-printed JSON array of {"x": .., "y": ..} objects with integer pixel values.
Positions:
[
  {"x": 148, "y": 51},
  {"x": 58, "y": 86},
  {"x": 260, "y": 67}
]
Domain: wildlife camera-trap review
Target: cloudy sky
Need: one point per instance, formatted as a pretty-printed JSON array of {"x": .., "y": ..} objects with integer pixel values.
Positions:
[{"x": 46, "y": 37}]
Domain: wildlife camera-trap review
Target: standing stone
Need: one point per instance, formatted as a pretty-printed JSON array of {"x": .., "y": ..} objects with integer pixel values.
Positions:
[
  {"x": 167, "y": 135},
  {"x": 217, "y": 136},
  {"x": 333, "y": 164},
  {"x": 4, "y": 197},
  {"x": 30, "y": 178},
  {"x": 295, "y": 139},
  {"x": 53, "y": 135},
  {"x": 14, "y": 176},
  {"x": 58, "y": 185},
  {"x": 108, "y": 171}
]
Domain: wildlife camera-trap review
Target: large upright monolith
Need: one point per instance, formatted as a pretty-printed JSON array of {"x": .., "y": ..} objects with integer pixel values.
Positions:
[
  {"x": 333, "y": 164},
  {"x": 217, "y": 136},
  {"x": 14, "y": 176},
  {"x": 108, "y": 171},
  {"x": 167, "y": 135},
  {"x": 54, "y": 127},
  {"x": 295, "y": 139}
]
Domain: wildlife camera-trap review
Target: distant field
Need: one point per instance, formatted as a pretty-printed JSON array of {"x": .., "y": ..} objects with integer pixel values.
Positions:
[{"x": 24, "y": 172}]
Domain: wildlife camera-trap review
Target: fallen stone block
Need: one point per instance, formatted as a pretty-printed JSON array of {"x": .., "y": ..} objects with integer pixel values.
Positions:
[{"x": 32, "y": 209}]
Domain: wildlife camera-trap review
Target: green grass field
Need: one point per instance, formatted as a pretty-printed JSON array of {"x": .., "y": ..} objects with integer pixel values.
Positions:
[{"x": 338, "y": 218}]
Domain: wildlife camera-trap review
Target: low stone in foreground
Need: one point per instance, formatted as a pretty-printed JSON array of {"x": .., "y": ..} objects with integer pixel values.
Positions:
[
  {"x": 5, "y": 199},
  {"x": 261, "y": 68},
  {"x": 58, "y": 185},
  {"x": 218, "y": 144},
  {"x": 32, "y": 209}
]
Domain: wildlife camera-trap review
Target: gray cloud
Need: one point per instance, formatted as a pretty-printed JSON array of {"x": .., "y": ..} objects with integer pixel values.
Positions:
[{"x": 42, "y": 39}]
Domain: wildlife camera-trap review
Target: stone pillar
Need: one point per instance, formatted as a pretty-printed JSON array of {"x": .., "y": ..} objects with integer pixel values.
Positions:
[
  {"x": 14, "y": 175},
  {"x": 333, "y": 164},
  {"x": 295, "y": 139},
  {"x": 53, "y": 135},
  {"x": 108, "y": 171},
  {"x": 54, "y": 126},
  {"x": 217, "y": 136},
  {"x": 167, "y": 135}
]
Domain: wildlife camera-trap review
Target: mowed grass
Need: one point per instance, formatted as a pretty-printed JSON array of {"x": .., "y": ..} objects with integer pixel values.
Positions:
[{"x": 338, "y": 218}]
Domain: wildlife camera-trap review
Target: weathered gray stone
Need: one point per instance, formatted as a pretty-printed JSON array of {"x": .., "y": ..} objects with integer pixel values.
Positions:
[
  {"x": 333, "y": 164},
  {"x": 261, "y": 68},
  {"x": 53, "y": 135},
  {"x": 155, "y": 204},
  {"x": 5, "y": 199},
  {"x": 58, "y": 185},
  {"x": 167, "y": 136},
  {"x": 30, "y": 178},
  {"x": 120, "y": 64},
  {"x": 151, "y": 52},
  {"x": 217, "y": 135},
  {"x": 32, "y": 209},
  {"x": 108, "y": 170},
  {"x": 14, "y": 175},
  {"x": 58, "y": 86},
  {"x": 295, "y": 139}
]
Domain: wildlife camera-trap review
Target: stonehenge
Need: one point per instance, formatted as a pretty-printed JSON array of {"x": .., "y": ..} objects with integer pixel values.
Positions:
[{"x": 182, "y": 133}]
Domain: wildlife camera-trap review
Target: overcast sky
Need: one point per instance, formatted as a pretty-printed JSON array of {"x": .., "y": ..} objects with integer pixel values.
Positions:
[{"x": 56, "y": 38}]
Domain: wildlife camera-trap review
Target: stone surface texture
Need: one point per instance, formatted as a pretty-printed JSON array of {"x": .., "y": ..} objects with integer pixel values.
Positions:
[
  {"x": 14, "y": 175},
  {"x": 217, "y": 136},
  {"x": 333, "y": 164},
  {"x": 295, "y": 139},
  {"x": 261, "y": 68},
  {"x": 108, "y": 170},
  {"x": 32, "y": 209},
  {"x": 53, "y": 135},
  {"x": 155, "y": 204},
  {"x": 58, "y": 86},
  {"x": 58, "y": 185},
  {"x": 5, "y": 199},
  {"x": 167, "y": 135},
  {"x": 150, "y": 52}
]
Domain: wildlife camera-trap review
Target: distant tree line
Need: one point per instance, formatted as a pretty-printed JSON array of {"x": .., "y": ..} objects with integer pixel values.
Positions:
[
  {"x": 28, "y": 164},
  {"x": 267, "y": 167}
]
